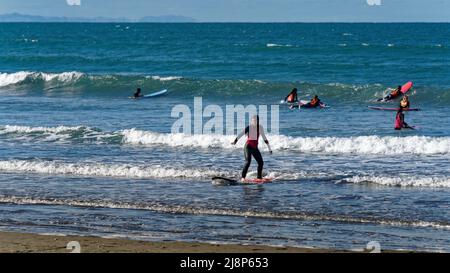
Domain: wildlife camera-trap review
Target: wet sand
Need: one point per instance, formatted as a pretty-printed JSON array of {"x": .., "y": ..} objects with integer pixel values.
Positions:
[{"x": 12, "y": 242}]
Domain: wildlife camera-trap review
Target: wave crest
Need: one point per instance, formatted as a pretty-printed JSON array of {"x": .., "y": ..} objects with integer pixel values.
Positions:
[{"x": 336, "y": 145}]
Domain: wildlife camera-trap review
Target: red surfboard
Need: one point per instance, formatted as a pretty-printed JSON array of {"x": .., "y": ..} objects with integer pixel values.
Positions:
[
  {"x": 257, "y": 181},
  {"x": 406, "y": 87}
]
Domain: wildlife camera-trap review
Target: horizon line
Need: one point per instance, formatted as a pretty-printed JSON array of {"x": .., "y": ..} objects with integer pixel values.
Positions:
[{"x": 239, "y": 22}]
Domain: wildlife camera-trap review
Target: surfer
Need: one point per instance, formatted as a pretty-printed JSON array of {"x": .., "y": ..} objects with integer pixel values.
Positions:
[
  {"x": 400, "y": 121},
  {"x": 253, "y": 131},
  {"x": 313, "y": 103},
  {"x": 395, "y": 93},
  {"x": 404, "y": 103},
  {"x": 292, "y": 97},
  {"x": 137, "y": 94}
]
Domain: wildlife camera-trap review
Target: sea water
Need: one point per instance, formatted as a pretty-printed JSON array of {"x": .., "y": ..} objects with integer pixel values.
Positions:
[{"x": 78, "y": 157}]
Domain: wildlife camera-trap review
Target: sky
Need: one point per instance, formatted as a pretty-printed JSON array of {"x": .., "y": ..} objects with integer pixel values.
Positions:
[{"x": 243, "y": 10}]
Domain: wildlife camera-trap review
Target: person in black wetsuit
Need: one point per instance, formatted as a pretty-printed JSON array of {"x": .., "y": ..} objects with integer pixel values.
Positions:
[
  {"x": 292, "y": 97},
  {"x": 315, "y": 102},
  {"x": 253, "y": 131},
  {"x": 137, "y": 94},
  {"x": 395, "y": 93}
]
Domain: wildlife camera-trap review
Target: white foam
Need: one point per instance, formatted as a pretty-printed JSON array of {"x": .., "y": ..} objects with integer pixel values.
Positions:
[
  {"x": 134, "y": 136},
  {"x": 278, "y": 45},
  {"x": 403, "y": 181},
  {"x": 13, "y": 78},
  {"x": 54, "y": 134},
  {"x": 27, "y": 129},
  {"x": 164, "y": 79},
  {"x": 163, "y": 208},
  {"x": 103, "y": 170},
  {"x": 336, "y": 145},
  {"x": 7, "y": 79},
  {"x": 387, "y": 145}
]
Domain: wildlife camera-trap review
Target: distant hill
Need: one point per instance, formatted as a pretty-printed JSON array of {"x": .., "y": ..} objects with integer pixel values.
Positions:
[
  {"x": 167, "y": 19},
  {"x": 17, "y": 17}
]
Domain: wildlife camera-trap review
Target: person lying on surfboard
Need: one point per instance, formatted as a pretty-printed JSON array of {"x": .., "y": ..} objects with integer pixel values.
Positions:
[
  {"x": 400, "y": 121},
  {"x": 253, "y": 132},
  {"x": 138, "y": 93},
  {"x": 315, "y": 102},
  {"x": 292, "y": 97},
  {"x": 395, "y": 93}
]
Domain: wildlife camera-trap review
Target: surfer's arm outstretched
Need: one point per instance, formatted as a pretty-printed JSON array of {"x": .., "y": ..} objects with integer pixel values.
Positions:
[{"x": 241, "y": 134}]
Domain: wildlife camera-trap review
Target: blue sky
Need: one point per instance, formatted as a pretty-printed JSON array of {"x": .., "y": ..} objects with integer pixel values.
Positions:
[{"x": 243, "y": 10}]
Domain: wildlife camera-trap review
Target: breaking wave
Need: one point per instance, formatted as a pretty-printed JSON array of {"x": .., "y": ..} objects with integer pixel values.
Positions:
[
  {"x": 134, "y": 171},
  {"x": 115, "y": 85},
  {"x": 376, "y": 145},
  {"x": 386, "y": 145},
  {"x": 103, "y": 170}
]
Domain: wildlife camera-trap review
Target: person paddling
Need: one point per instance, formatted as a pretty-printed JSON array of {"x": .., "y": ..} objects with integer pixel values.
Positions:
[
  {"x": 395, "y": 93},
  {"x": 138, "y": 93},
  {"x": 253, "y": 132}
]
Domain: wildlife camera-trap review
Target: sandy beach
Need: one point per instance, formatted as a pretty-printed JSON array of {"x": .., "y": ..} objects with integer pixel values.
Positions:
[{"x": 12, "y": 242}]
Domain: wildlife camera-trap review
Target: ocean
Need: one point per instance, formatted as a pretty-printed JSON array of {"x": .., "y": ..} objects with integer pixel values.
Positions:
[{"x": 77, "y": 156}]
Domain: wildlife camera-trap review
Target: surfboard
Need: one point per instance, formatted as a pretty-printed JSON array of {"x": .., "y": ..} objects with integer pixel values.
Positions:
[
  {"x": 288, "y": 103},
  {"x": 152, "y": 95},
  {"x": 303, "y": 102},
  {"x": 406, "y": 87},
  {"x": 225, "y": 181},
  {"x": 258, "y": 181},
  {"x": 392, "y": 109}
]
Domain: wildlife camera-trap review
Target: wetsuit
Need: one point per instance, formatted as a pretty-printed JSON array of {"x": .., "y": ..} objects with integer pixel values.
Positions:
[
  {"x": 251, "y": 148},
  {"x": 404, "y": 106},
  {"x": 397, "y": 92},
  {"x": 137, "y": 94},
  {"x": 400, "y": 121},
  {"x": 312, "y": 104},
  {"x": 292, "y": 97}
]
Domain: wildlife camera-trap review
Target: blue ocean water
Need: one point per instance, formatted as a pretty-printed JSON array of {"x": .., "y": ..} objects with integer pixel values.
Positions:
[{"x": 78, "y": 157}]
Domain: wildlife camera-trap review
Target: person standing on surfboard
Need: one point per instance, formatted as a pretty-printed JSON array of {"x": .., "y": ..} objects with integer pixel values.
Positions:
[
  {"x": 253, "y": 132},
  {"x": 292, "y": 97}
]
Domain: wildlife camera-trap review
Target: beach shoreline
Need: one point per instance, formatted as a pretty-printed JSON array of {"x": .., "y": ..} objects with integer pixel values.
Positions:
[{"x": 14, "y": 242}]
